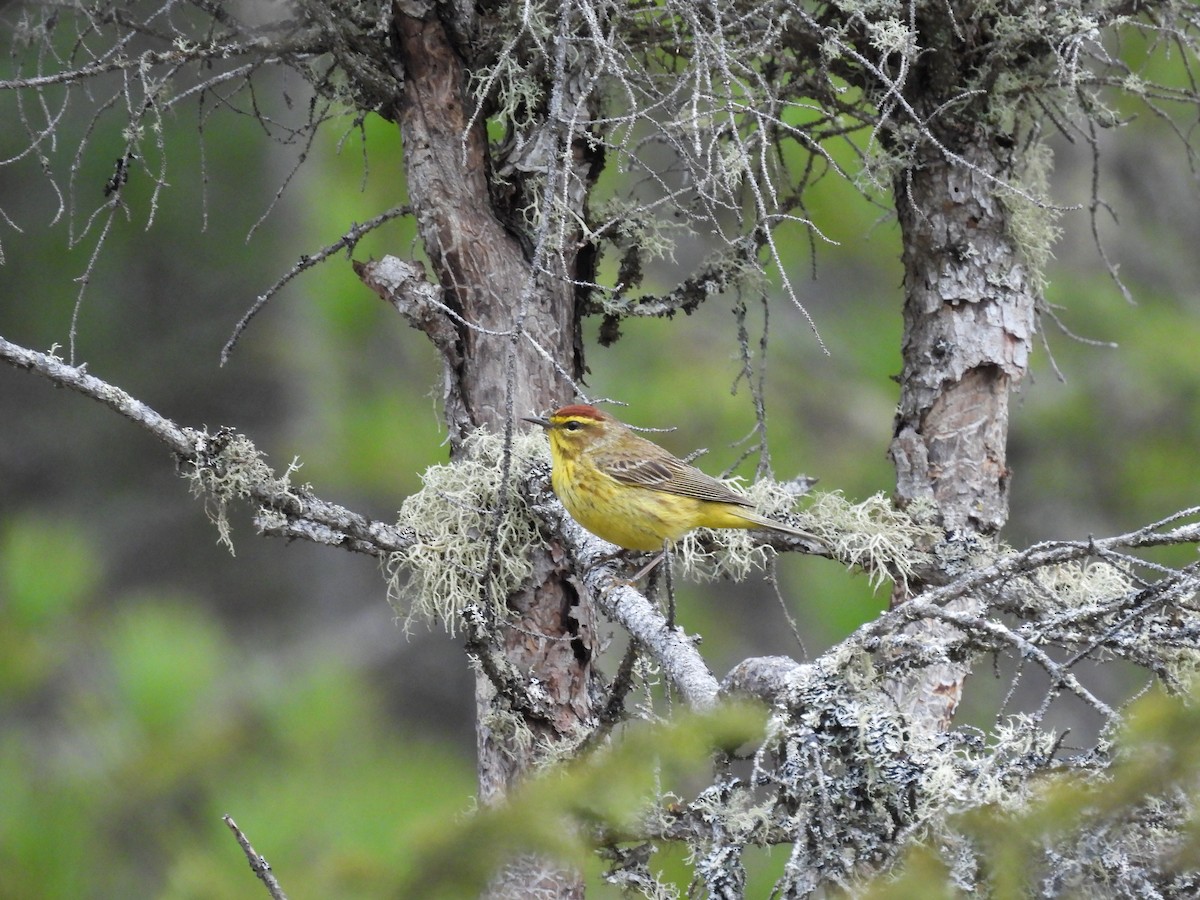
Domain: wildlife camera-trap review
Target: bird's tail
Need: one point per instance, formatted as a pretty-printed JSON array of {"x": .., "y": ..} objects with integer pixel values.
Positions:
[{"x": 760, "y": 521}]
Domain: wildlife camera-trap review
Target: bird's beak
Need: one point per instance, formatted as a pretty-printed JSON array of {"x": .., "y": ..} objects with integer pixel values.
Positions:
[{"x": 538, "y": 420}]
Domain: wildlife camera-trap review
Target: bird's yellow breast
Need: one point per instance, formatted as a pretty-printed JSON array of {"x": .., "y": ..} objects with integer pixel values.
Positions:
[
  {"x": 630, "y": 517},
  {"x": 634, "y": 519}
]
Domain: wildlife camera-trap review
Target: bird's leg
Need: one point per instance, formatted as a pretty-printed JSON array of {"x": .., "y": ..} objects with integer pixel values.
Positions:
[
  {"x": 651, "y": 590},
  {"x": 625, "y": 554},
  {"x": 608, "y": 557},
  {"x": 646, "y": 569},
  {"x": 664, "y": 557},
  {"x": 670, "y": 583}
]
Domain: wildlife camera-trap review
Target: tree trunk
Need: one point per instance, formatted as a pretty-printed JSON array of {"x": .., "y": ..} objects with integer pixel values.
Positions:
[
  {"x": 503, "y": 304},
  {"x": 968, "y": 329}
]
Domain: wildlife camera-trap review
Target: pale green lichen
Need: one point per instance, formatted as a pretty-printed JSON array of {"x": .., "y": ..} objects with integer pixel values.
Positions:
[
  {"x": 891, "y": 35},
  {"x": 511, "y": 83},
  {"x": 707, "y": 554},
  {"x": 873, "y": 535},
  {"x": 510, "y": 732},
  {"x": 474, "y": 532},
  {"x": 1032, "y": 219},
  {"x": 227, "y": 467},
  {"x": 629, "y": 223},
  {"x": 1076, "y": 586}
]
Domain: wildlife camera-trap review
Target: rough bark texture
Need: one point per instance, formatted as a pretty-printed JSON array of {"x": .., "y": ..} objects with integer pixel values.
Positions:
[
  {"x": 968, "y": 327},
  {"x": 485, "y": 273},
  {"x": 500, "y": 305}
]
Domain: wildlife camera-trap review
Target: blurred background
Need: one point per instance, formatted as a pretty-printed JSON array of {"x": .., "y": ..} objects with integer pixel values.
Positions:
[{"x": 151, "y": 681}]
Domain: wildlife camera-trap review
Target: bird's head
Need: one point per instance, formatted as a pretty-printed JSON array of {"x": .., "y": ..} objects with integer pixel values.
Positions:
[{"x": 572, "y": 429}]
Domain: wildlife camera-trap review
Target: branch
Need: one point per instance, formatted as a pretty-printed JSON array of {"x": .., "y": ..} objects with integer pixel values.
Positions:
[
  {"x": 1055, "y": 552},
  {"x": 285, "y": 511},
  {"x": 762, "y": 677},
  {"x": 1116, "y": 626},
  {"x": 349, "y": 241},
  {"x": 404, "y": 285},
  {"x": 973, "y": 628},
  {"x": 227, "y": 466},
  {"x": 303, "y": 43},
  {"x": 294, "y": 513}
]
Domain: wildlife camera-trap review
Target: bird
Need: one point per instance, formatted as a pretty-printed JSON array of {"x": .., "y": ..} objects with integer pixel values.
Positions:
[{"x": 633, "y": 493}]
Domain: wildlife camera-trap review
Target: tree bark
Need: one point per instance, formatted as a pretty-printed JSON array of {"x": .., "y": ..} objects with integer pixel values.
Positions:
[
  {"x": 968, "y": 330},
  {"x": 511, "y": 315},
  {"x": 500, "y": 303},
  {"x": 969, "y": 321}
]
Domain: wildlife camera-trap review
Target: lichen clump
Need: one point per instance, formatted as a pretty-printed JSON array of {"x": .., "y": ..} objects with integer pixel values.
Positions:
[
  {"x": 474, "y": 532},
  {"x": 708, "y": 554},
  {"x": 227, "y": 467}
]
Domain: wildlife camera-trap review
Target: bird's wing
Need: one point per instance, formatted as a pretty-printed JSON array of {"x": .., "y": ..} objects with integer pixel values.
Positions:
[{"x": 674, "y": 476}]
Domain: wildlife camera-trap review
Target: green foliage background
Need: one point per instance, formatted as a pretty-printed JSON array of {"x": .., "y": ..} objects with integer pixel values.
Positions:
[{"x": 150, "y": 682}]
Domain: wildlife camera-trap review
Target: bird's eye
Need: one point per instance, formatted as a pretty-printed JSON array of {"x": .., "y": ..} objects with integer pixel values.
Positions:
[{"x": 573, "y": 426}]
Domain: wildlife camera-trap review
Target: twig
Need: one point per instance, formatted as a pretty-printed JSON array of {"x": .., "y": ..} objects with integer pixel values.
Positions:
[
  {"x": 972, "y": 624},
  {"x": 348, "y": 241},
  {"x": 258, "y": 864}
]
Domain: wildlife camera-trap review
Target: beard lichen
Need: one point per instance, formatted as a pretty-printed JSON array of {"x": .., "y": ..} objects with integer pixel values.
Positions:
[
  {"x": 474, "y": 532},
  {"x": 707, "y": 554},
  {"x": 229, "y": 467},
  {"x": 873, "y": 535}
]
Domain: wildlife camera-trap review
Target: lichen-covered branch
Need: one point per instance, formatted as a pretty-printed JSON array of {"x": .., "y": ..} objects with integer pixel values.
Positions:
[
  {"x": 847, "y": 782},
  {"x": 668, "y": 646},
  {"x": 225, "y": 464}
]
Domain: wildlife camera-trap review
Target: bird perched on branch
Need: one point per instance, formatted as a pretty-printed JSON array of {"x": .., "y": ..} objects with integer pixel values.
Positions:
[{"x": 631, "y": 492}]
